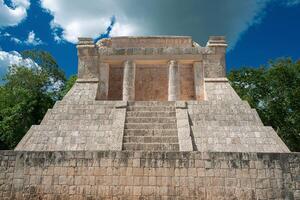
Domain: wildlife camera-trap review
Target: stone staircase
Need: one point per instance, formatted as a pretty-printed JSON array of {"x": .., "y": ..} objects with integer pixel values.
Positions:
[{"x": 150, "y": 126}]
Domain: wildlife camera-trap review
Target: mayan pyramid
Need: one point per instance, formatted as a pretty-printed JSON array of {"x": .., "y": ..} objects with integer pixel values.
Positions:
[
  {"x": 152, "y": 94},
  {"x": 150, "y": 118}
]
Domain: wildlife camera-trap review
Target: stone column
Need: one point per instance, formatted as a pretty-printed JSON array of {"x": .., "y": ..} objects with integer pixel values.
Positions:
[
  {"x": 87, "y": 59},
  {"x": 199, "y": 80},
  {"x": 174, "y": 81},
  {"x": 129, "y": 81},
  {"x": 214, "y": 62},
  {"x": 103, "y": 80}
]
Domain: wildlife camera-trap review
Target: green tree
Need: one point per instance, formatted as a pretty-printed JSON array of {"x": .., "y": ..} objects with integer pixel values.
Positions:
[
  {"x": 27, "y": 94},
  {"x": 23, "y": 101},
  {"x": 274, "y": 91},
  {"x": 68, "y": 85},
  {"x": 48, "y": 64}
]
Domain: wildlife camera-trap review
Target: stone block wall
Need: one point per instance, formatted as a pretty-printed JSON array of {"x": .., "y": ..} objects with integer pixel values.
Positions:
[
  {"x": 187, "y": 88},
  {"x": 78, "y": 122},
  {"x": 151, "y": 83},
  {"x": 151, "y": 41},
  {"x": 148, "y": 175},
  {"x": 225, "y": 123},
  {"x": 115, "y": 89}
]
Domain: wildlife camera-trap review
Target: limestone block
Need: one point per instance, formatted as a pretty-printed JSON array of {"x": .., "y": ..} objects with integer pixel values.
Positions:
[{"x": 183, "y": 127}]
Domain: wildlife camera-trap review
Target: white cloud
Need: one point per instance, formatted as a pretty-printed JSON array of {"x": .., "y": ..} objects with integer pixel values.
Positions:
[
  {"x": 11, "y": 16},
  {"x": 199, "y": 19},
  {"x": 156, "y": 17},
  {"x": 8, "y": 59},
  {"x": 16, "y": 40},
  {"x": 33, "y": 40},
  {"x": 78, "y": 18},
  {"x": 292, "y": 2}
]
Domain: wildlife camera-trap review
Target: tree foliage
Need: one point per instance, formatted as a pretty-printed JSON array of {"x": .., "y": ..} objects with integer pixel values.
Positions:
[
  {"x": 27, "y": 94},
  {"x": 70, "y": 82},
  {"x": 274, "y": 91}
]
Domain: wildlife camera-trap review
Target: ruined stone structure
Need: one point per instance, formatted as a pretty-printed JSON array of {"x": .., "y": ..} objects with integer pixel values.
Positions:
[{"x": 150, "y": 118}]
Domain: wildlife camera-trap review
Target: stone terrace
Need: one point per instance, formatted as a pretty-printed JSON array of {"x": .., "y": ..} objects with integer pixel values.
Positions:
[{"x": 148, "y": 175}]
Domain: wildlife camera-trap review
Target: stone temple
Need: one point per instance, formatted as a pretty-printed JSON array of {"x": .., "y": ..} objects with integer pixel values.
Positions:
[{"x": 150, "y": 118}]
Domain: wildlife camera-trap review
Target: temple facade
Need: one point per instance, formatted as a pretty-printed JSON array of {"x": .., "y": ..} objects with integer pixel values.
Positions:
[{"x": 151, "y": 68}]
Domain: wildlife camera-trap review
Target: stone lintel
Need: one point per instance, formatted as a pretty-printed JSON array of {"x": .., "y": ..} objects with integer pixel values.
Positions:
[
  {"x": 140, "y": 60},
  {"x": 151, "y": 41},
  {"x": 154, "y": 51}
]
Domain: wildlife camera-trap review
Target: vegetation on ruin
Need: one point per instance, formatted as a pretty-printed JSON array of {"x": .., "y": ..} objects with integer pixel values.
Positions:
[{"x": 274, "y": 91}]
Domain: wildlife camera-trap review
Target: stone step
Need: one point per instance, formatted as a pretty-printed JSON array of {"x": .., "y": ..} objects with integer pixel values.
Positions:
[
  {"x": 150, "y": 132},
  {"x": 68, "y": 116},
  {"x": 81, "y": 111},
  {"x": 255, "y": 132},
  {"x": 151, "y": 114},
  {"x": 142, "y": 139},
  {"x": 87, "y": 103},
  {"x": 233, "y": 128},
  {"x": 221, "y": 111},
  {"x": 151, "y": 103},
  {"x": 150, "y": 126},
  {"x": 78, "y": 106},
  {"x": 227, "y": 123},
  {"x": 151, "y": 108},
  {"x": 224, "y": 117},
  {"x": 151, "y": 147},
  {"x": 81, "y": 122},
  {"x": 150, "y": 120},
  {"x": 218, "y": 102}
]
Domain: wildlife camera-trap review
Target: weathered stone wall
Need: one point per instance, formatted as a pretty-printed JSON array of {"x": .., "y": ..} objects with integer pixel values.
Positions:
[
  {"x": 115, "y": 82},
  {"x": 225, "y": 123},
  {"x": 78, "y": 122},
  {"x": 151, "y": 83},
  {"x": 142, "y": 175},
  {"x": 187, "y": 88},
  {"x": 154, "y": 41}
]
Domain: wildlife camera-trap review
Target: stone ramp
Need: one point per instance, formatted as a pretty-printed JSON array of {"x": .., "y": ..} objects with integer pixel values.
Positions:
[{"x": 150, "y": 126}]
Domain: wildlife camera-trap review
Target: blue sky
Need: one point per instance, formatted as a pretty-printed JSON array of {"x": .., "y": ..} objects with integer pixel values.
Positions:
[{"x": 256, "y": 30}]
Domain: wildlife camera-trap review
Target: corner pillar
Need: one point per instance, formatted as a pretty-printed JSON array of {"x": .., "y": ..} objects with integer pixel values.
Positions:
[
  {"x": 129, "y": 81},
  {"x": 214, "y": 62},
  {"x": 87, "y": 59},
  {"x": 174, "y": 81}
]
